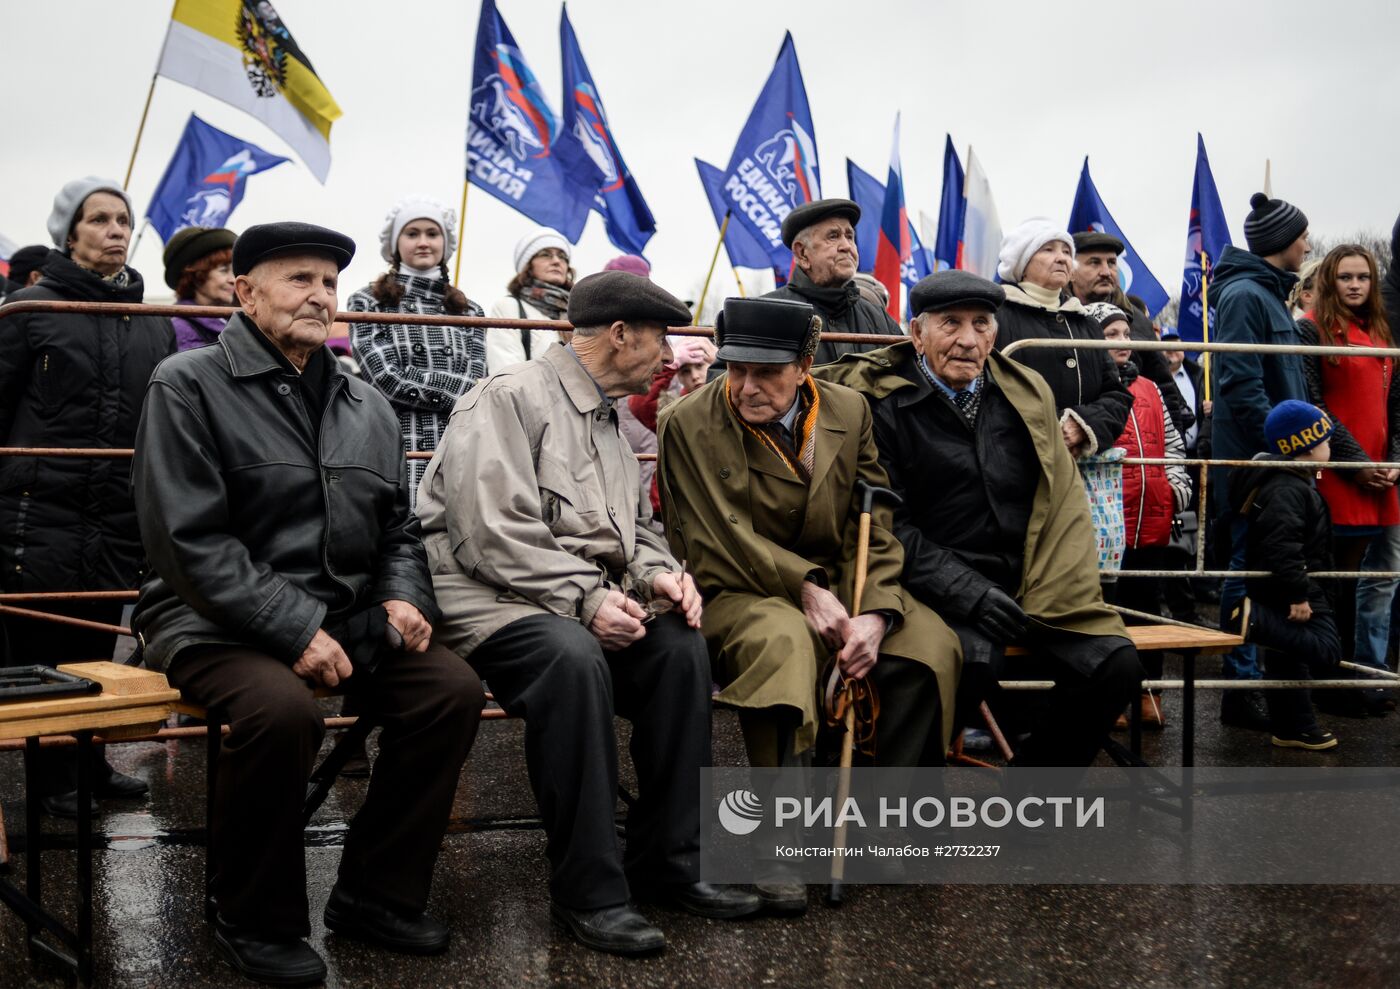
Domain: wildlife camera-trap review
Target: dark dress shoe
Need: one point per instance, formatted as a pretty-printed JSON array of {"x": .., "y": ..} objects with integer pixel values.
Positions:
[
  {"x": 709, "y": 900},
  {"x": 1244, "y": 708},
  {"x": 290, "y": 962},
  {"x": 63, "y": 804},
  {"x": 788, "y": 899},
  {"x": 112, "y": 785},
  {"x": 365, "y": 920},
  {"x": 619, "y": 930}
]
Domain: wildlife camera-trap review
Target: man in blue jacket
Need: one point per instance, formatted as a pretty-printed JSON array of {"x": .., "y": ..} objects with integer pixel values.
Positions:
[{"x": 1249, "y": 289}]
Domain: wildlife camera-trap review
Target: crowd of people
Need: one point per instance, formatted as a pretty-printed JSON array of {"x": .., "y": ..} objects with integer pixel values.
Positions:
[{"x": 280, "y": 537}]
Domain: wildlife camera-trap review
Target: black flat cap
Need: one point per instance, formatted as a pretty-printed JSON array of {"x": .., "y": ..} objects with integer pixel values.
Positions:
[
  {"x": 189, "y": 245},
  {"x": 815, "y": 212},
  {"x": 766, "y": 331},
  {"x": 1094, "y": 240},
  {"x": 258, "y": 243},
  {"x": 605, "y": 297},
  {"x": 950, "y": 289}
]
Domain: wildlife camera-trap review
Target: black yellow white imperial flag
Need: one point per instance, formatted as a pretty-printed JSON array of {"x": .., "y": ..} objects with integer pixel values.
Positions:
[{"x": 240, "y": 52}]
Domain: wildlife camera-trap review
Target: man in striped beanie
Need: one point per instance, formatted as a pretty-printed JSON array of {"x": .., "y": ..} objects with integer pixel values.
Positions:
[{"x": 1250, "y": 289}]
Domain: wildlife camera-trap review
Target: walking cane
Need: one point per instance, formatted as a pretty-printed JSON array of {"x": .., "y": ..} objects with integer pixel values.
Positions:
[{"x": 841, "y": 691}]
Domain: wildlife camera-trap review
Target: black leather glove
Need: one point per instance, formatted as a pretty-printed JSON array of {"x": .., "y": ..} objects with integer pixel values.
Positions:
[{"x": 999, "y": 617}]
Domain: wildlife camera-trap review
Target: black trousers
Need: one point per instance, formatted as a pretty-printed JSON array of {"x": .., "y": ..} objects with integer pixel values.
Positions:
[
  {"x": 32, "y": 641},
  {"x": 552, "y": 672},
  {"x": 1294, "y": 651},
  {"x": 429, "y": 704},
  {"x": 1068, "y": 725}
]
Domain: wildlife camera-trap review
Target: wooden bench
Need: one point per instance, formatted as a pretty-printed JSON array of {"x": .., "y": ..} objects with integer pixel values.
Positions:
[
  {"x": 1191, "y": 642},
  {"x": 132, "y": 703}
]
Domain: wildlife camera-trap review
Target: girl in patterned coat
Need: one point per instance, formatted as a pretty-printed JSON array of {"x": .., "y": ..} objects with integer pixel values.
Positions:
[{"x": 422, "y": 370}]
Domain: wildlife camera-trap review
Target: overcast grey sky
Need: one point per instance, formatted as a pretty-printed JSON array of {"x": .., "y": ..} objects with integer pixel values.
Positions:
[{"x": 1033, "y": 87}]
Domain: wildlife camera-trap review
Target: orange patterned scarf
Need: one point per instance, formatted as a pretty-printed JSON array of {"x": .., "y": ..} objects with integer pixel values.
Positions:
[{"x": 802, "y": 460}]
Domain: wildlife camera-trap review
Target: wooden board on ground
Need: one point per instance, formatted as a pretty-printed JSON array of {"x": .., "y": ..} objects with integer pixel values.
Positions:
[
  {"x": 132, "y": 702},
  {"x": 1172, "y": 638}
]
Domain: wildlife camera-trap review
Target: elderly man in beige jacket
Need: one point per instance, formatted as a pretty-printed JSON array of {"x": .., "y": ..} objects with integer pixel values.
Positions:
[{"x": 555, "y": 590}]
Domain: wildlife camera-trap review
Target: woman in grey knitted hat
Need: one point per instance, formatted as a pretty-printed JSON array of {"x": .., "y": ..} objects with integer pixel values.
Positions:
[{"x": 75, "y": 380}]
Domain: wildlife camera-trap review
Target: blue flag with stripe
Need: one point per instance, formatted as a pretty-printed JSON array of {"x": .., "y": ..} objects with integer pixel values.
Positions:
[{"x": 1090, "y": 213}]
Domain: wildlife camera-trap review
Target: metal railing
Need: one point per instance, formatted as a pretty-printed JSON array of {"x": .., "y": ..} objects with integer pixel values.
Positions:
[
  {"x": 7, "y": 601},
  {"x": 1203, "y": 475}
]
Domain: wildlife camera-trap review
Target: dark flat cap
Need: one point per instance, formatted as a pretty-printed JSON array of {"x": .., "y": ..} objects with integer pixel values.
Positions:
[
  {"x": 189, "y": 245},
  {"x": 815, "y": 212},
  {"x": 267, "y": 240},
  {"x": 951, "y": 289},
  {"x": 1095, "y": 240},
  {"x": 605, "y": 297},
  {"x": 765, "y": 331}
]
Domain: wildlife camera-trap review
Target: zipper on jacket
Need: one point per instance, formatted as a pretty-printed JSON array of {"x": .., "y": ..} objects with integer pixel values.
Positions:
[
  {"x": 1142, "y": 488},
  {"x": 336, "y": 385}
]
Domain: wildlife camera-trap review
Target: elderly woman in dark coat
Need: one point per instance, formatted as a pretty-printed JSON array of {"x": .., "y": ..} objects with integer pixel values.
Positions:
[
  {"x": 1035, "y": 266},
  {"x": 75, "y": 380}
]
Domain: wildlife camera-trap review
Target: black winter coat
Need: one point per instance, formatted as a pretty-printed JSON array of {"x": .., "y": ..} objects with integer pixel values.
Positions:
[
  {"x": 1289, "y": 534},
  {"x": 1084, "y": 381},
  {"x": 266, "y": 518},
  {"x": 843, "y": 310},
  {"x": 972, "y": 536},
  {"x": 71, "y": 380}
]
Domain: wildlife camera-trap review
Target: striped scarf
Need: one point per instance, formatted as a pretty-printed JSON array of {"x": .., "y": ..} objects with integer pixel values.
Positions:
[{"x": 800, "y": 461}]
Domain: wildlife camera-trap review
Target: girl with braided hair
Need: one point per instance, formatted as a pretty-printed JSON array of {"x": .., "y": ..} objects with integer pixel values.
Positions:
[{"x": 422, "y": 370}]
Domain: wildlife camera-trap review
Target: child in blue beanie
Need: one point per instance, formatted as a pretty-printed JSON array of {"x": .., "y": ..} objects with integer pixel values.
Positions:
[{"x": 1288, "y": 615}]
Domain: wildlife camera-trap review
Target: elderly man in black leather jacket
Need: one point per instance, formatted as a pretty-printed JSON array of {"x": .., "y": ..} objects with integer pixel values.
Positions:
[{"x": 273, "y": 504}]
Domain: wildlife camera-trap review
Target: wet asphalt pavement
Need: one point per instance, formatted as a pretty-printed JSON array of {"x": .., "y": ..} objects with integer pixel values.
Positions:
[{"x": 491, "y": 889}]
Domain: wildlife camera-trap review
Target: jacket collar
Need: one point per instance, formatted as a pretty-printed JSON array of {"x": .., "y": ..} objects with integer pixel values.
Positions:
[
  {"x": 578, "y": 384},
  {"x": 249, "y": 358}
]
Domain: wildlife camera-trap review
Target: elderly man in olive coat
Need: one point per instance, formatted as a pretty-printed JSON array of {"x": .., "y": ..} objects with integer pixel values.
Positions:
[{"x": 758, "y": 472}]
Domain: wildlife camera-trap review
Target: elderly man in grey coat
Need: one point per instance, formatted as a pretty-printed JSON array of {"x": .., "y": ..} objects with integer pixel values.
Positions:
[{"x": 557, "y": 592}]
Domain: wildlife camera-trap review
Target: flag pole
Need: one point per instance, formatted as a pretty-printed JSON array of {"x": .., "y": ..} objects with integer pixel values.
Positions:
[
  {"x": 461, "y": 232},
  {"x": 140, "y": 129},
  {"x": 714, "y": 259},
  {"x": 740, "y": 282},
  {"x": 139, "y": 234},
  {"x": 1205, "y": 321}
]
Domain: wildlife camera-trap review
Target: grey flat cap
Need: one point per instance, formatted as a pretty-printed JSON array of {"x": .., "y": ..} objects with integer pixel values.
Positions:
[
  {"x": 814, "y": 212},
  {"x": 951, "y": 289}
]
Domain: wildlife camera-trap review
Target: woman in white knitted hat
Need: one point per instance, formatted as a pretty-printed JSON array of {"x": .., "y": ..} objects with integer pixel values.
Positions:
[
  {"x": 1036, "y": 260},
  {"x": 539, "y": 290},
  {"x": 422, "y": 370}
]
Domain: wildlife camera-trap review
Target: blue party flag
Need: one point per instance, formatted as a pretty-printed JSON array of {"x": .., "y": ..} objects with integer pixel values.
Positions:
[
  {"x": 1090, "y": 213},
  {"x": 774, "y": 165},
  {"x": 739, "y": 244},
  {"x": 1207, "y": 235},
  {"x": 205, "y": 179},
  {"x": 517, "y": 147},
  {"x": 627, "y": 219}
]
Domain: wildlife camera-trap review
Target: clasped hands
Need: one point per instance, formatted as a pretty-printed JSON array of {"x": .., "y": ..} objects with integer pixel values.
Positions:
[
  {"x": 323, "y": 662},
  {"x": 856, "y": 641},
  {"x": 621, "y": 620}
]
